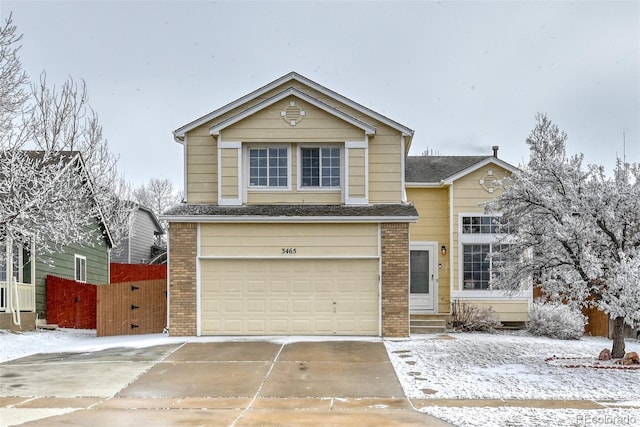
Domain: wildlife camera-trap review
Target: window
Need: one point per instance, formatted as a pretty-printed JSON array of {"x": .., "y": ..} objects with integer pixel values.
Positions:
[
  {"x": 320, "y": 166},
  {"x": 17, "y": 263},
  {"x": 81, "y": 268},
  {"x": 479, "y": 241},
  {"x": 484, "y": 225},
  {"x": 268, "y": 167}
]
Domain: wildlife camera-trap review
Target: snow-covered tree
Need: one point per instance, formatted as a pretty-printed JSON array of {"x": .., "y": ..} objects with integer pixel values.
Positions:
[
  {"x": 46, "y": 199},
  {"x": 158, "y": 195},
  {"x": 62, "y": 120},
  {"x": 56, "y": 174},
  {"x": 575, "y": 231},
  {"x": 13, "y": 85}
]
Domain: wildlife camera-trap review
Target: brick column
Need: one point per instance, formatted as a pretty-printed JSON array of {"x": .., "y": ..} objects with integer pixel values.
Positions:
[
  {"x": 182, "y": 278},
  {"x": 395, "y": 279}
]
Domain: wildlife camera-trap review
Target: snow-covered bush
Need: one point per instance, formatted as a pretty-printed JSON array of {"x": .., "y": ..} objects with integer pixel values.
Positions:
[
  {"x": 467, "y": 317},
  {"x": 556, "y": 321}
]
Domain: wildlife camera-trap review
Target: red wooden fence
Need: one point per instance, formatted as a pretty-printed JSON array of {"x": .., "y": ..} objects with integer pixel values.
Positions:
[
  {"x": 121, "y": 273},
  {"x": 71, "y": 304},
  {"x": 134, "y": 303}
]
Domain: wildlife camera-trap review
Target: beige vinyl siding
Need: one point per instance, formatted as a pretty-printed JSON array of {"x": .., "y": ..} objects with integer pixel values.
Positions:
[
  {"x": 321, "y": 197},
  {"x": 318, "y": 126},
  {"x": 433, "y": 226},
  {"x": 268, "y": 126},
  {"x": 385, "y": 166},
  {"x": 356, "y": 172},
  {"x": 508, "y": 310},
  {"x": 469, "y": 195},
  {"x": 229, "y": 173},
  {"x": 308, "y": 240},
  {"x": 202, "y": 166}
]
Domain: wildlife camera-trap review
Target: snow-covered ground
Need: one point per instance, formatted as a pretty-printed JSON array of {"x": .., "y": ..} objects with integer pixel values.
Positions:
[
  {"x": 515, "y": 366},
  {"x": 454, "y": 366}
]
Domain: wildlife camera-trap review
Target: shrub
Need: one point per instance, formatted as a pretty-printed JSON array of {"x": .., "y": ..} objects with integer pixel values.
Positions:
[
  {"x": 556, "y": 321},
  {"x": 466, "y": 317}
]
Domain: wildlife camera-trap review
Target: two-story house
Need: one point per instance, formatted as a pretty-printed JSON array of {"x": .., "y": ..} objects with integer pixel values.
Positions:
[
  {"x": 295, "y": 218},
  {"x": 304, "y": 215}
]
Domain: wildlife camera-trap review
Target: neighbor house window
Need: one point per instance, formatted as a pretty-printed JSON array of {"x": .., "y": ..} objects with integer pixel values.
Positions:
[
  {"x": 320, "y": 166},
  {"x": 479, "y": 240},
  {"x": 268, "y": 167},
  {"x": 17, "y": 263},
  {"x": 81, "y": 268}
]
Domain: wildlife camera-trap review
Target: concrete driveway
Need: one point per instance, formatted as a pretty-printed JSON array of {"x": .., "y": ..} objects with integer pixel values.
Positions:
[{"x": 254, "y": 383}]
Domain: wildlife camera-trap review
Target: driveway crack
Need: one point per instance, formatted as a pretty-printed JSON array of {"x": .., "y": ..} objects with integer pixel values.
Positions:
[{"x": 264, "y": 380}]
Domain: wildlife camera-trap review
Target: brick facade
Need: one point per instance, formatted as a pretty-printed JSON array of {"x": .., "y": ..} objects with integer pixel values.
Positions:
[
  {"x": 182, "y": 278},
  {"x": 395, "y": 279}
]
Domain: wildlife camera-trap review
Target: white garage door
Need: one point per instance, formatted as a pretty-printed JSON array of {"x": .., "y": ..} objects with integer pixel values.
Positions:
[{"x": 289, "y": 297}]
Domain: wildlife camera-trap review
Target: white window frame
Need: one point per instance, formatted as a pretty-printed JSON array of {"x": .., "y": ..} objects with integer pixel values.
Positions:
[
  {"x": 267, "y": 188},
  {"x": 320, "y": 187},
  {"x": 17, "y": 261},
  {"x": 477, "y": 239},
  {"x": 83, "y": 268}
]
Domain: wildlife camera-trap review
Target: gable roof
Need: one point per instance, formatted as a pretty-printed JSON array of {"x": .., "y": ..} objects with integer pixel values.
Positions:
[
  {"x": 441, "y": 170},
  {"x": 153, "y": 217},
  {"x": 369, "y": 130},
  {"x": 179, "y": 133}
]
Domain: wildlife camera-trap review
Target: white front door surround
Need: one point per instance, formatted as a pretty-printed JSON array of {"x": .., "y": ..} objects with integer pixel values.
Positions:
[{"x": 423, "y": 277}]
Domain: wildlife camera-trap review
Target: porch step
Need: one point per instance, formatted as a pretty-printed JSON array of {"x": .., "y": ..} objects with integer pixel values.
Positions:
[{"x": 427, "y": 325}]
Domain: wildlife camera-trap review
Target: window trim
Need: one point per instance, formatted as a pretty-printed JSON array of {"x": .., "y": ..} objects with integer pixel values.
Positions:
[
  {"x": 475, "y": 239},
  {"x": 17, "y": 260},
  {"x": 267, "y": 188},
  {"x": 83, "y": 268},
  {"x": 337, "y": 188}
]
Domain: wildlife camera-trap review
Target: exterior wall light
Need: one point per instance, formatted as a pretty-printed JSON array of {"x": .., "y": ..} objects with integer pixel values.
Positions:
[{"x": 443, "y": 250}]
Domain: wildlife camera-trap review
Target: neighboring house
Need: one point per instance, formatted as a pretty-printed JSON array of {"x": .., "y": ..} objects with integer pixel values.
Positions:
[
  {"x": 86, "y": 264},
  {"x": 295, "y": 219},
  {"x": 452, "y": 238},
  {"x": 142, "y": 239}
]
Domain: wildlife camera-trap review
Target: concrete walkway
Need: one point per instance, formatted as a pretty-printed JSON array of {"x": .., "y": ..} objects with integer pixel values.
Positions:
[{"x": 226, "y": 384}]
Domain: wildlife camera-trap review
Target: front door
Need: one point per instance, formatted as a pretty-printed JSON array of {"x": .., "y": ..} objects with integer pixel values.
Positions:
[{"x": 423, "y": 279}]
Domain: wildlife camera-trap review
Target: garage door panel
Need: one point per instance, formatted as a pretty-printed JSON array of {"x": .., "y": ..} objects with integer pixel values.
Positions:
[{"x": 302, "y": 297}]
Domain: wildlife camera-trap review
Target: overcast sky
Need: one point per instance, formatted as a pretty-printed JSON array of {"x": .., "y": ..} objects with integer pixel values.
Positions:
[{"x": 464, "y": 75}]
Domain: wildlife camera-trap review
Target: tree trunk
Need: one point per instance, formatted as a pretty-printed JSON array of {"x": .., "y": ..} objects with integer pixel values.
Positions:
[{"x": 618, "y": 351}]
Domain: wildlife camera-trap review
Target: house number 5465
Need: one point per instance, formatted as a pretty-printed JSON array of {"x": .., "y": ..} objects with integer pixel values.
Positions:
[{"x": 288, "y": 251}]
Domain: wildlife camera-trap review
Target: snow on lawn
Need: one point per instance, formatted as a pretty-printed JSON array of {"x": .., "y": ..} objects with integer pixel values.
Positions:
[
  {"x": 507, "y": 366},
  {"x": 512, "y": 366}
]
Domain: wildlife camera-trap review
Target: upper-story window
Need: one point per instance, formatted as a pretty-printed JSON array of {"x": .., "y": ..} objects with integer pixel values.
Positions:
[
  {"x": 479, "y": 239},
  {"x": 320, "y": 166},
  {"x": 268, "y": 167}
]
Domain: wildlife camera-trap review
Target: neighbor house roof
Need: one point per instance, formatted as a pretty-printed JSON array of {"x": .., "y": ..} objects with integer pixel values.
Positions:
[
  {"x": 69, "y": 157},
  {"x": 399, "y": 212},
  {"x": 440, "y": 170},
  {"x": 293, "y": 76}
]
